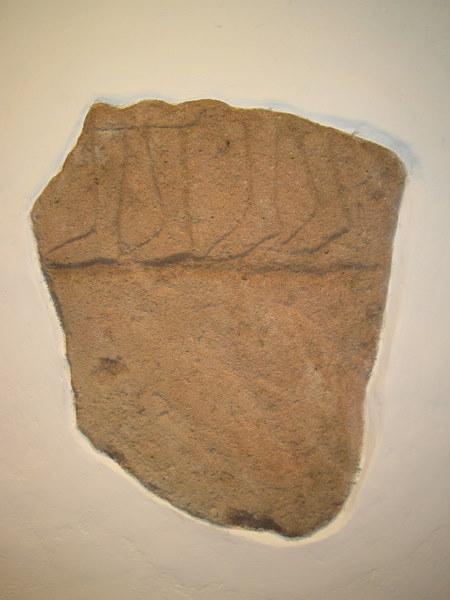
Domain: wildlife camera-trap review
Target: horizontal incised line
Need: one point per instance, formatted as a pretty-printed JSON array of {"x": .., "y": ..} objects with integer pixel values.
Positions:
[{"x": 137, "y": 127}]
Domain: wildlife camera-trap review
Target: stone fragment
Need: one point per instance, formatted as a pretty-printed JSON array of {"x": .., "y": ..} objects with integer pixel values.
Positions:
[{"x": 220, "y": 275}]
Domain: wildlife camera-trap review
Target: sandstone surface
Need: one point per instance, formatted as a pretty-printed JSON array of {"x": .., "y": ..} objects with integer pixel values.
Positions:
[{"x": 220, "y": 275}]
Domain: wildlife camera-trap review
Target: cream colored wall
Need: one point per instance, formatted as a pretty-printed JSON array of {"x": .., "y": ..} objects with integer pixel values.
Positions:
[{"x": 74, "y": 526}]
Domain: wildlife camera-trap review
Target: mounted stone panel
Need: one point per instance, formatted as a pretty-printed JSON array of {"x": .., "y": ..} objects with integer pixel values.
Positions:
[{"x": 220, "y": 275}]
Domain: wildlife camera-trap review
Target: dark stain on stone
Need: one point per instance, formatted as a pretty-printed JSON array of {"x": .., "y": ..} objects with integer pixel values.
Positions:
[
  {"x": 111, "y": 366},
  {"x": 243, "y": 518}
]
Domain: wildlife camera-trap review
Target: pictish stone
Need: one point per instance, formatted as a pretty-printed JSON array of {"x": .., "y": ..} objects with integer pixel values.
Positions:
[{"x": 220, "y": 275}]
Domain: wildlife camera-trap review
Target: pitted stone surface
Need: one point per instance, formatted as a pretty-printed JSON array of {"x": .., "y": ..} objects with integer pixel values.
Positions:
[{"x": 220, "y": 275}]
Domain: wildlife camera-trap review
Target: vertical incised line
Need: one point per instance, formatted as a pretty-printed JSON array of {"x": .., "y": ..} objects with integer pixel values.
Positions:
[
  {"x": 250, "y": 188},
  {"x": 314, "y": 190},
  {"x": 337, "y": 177},
  {"x": 147, "y": 138},
  {"x": 120, "y": 202},
  {"x": 186, "y": 191},
  {"x": 96, "y": 173},
  {"x": 275, "y": 171}
]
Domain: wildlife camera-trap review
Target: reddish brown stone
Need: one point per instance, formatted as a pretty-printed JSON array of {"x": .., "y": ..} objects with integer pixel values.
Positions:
[{"x": 220, "y": 275}]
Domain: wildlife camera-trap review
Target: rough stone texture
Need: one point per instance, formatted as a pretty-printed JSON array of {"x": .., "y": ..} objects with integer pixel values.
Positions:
[{"x": 220, "y": 275}]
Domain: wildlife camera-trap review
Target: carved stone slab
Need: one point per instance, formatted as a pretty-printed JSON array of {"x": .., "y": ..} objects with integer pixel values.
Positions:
[{"x": 220, "y": 275}]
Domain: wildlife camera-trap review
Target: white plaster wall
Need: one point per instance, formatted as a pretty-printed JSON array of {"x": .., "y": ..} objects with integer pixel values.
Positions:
[{"x": 73, "y": 525}]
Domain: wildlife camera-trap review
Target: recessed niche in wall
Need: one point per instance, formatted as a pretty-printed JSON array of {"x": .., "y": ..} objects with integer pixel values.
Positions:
[{"x": 220, "y": 275}]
